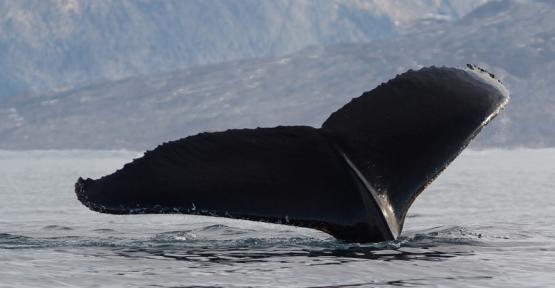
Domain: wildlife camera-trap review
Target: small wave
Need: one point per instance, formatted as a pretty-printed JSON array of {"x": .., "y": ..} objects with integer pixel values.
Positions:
[
  {"x": 57, "y": 227},
  {"x": 205, "y": 233},
  {"x": 10, "y": 237},
  {"x": 11, "y": 241},
  {"x": 414, "y": 215},
  {"x": 174, "y": 236},
  {"x": 437, "y": 236},
  {"x": 104, "y": 230},
  {"x": 225, "y": 230},
  {"x": 25, "y": 242}
]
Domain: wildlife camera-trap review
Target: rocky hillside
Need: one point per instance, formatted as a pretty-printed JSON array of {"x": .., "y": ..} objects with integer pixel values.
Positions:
[
  {"x": 513, "y": 39},
  {"x": 54, "y": 45}
]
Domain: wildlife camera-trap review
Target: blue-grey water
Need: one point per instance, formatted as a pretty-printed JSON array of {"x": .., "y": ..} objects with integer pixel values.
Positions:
[{"x": 487, "y": 221}]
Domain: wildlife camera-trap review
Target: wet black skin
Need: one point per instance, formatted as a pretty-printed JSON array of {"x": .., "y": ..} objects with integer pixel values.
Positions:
[{"x": 354, "y": 178}]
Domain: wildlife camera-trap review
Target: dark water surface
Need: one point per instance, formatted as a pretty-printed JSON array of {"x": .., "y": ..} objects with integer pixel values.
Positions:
[{"x": 488, "y": 221}]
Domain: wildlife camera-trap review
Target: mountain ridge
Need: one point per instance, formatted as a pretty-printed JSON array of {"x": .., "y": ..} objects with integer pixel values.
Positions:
[
  {"x": 513, "y": 40},
  {"x": 54, "y": 45}
]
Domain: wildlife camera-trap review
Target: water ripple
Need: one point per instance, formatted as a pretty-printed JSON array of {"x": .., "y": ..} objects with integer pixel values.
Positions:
[{"x": 225, "y": 244}]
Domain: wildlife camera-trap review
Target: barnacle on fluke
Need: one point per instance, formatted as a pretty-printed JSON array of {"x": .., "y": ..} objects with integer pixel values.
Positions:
[{"x": 354, "y": 178}]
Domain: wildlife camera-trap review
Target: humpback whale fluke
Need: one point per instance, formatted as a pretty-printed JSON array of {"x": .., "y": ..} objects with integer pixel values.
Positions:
[{"x": 354, "y": 178}]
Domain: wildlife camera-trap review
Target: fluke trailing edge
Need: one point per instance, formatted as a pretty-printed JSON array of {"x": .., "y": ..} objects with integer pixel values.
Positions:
[{"x": 354, "y": 178}]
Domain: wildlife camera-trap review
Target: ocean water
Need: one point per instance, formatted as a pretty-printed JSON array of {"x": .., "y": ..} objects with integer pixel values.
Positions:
[{"x": 487, "y": 221}]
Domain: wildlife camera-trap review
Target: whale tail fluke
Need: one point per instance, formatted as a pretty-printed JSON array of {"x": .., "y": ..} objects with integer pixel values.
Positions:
[{"x": 355, "y": 177}]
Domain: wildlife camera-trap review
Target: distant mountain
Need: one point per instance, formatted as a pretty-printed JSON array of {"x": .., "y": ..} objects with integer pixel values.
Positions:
[
  {"x": 513, "y": 39},
  {"x": 54, "y": 45}
]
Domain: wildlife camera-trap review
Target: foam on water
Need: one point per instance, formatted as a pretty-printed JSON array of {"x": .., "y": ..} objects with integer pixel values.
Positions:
[{"x": 487, "y": 221}]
